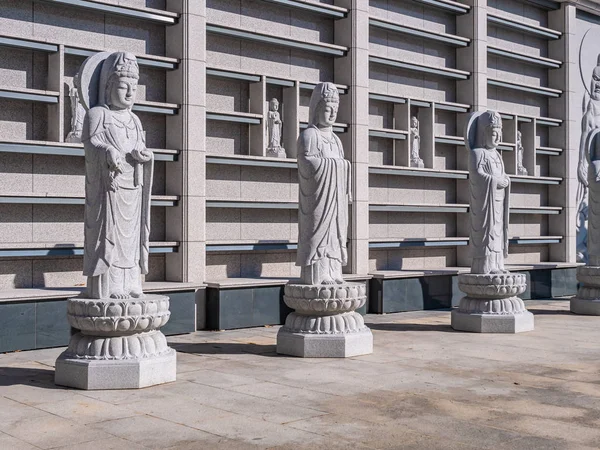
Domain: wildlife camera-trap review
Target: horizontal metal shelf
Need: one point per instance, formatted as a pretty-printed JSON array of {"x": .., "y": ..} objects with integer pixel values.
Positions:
[
  {"x": 250, "y": 205},
  {"x": 67, "y": 200},
  {"x": 540, "y": 32},
  {"x": 420, "y": 243},
  {"x": 142, "y": 61},
  {"x": 452, "y": 140},
  {"x": 537, "y": 210},
  {"x": 262, "y": 247},
  {"x": 342, "y": 89},
  {"x": 549, "y": 151},
  {"x": 548, "y": 122},
  {"x": 446, "y": 73},
  {"x": 51, "y": 148},
  {"x": 331, "y": 50},
  {"x": 156, "y": 109},
  {"x": 70, "y": 251},
  {"x": 537, "y": 61},
  {"x": 26, "y": 44},
  {"x": 218, "y": 73},
  {"x": 506, "y": 147},
  {"x": 283, "y": 163},
  {"x": 147, "y": 14},
  {"x": 321, "y": 9},
  {"x": 447, "y": 6},
  {"x": 387, "y": 98},
  {"x": 415, "y": 172},
  {"x": 546, "y": 92},
  {"x": 535, "y": 180},
  {"x": 388, "y": 134},
  {"x": 238, "y": 118},
  {"x": 29, "y": 95},
  {"x": 456, "y": 107},
  {"x": 444, "y": 38},
  {"x": 536, "y": 241},
  {"x": 420, "y": 208}
]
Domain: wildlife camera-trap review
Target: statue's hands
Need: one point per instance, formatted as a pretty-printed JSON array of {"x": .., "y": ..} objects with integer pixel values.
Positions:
[
  {"x": 141, "y": 154},
  {"x": 504, "y": 182},
  {"x": 113, "y": 158}
]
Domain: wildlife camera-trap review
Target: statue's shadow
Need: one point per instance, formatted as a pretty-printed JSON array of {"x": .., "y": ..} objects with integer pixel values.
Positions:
[
  {"x": 41, "y": 378},
  {"x": 225, "y": 348}
]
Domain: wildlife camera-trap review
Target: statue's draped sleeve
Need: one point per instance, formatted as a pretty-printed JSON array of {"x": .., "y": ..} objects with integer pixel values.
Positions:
[
  {"x": 323, "y": 201},
  {"x": 483, "y": 191},
  {"x": 99, "y": 237}
]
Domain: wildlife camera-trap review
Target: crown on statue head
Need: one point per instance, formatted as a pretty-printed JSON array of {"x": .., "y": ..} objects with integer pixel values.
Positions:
[
  {"x": 126, "y": 66},
  {"x": 495, "y": 121},
  {"x": 331, "y": 94}
]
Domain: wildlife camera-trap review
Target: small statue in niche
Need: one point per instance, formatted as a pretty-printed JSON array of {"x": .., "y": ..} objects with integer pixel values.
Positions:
[
  {"x": 521, "y": 170},
  {"x": 274, "y": 127},
  {"x": 77, "y": 113},
  {"x": 118, "y": 178},
  {"x": 489, "y": 194},
  {"x": 324, "y": 181},
  {"x": 415, "y": 144}
]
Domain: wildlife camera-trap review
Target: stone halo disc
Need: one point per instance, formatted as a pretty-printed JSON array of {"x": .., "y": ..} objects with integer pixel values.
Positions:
[
  {"x": 471, "y": 129},
  {"x": 588, "y": 56},
  {"x": 89, "y": 77}
]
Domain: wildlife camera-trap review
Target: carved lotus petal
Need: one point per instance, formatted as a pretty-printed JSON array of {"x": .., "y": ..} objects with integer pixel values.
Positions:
[
  {"x": 124, "y": 325},
  {"x": 114, "y": 310},
  {"x": 135, "y": 309},
  {"x": 341, "y": 293},
  {"x": 93, "y": 310},
  {"x": 325, "y": 293},
  {"x": 151, "y": 308},
  {"x": 115, "y": 347}
]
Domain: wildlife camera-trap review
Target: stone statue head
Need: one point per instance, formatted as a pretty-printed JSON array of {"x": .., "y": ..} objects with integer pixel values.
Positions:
[
  {"x": 595, "y": 84},
  {"x": 489, "y": 130},
  {"x": 519, "y": 136},
  {"x": 118, "y": 81},
  {"x": 324, "y": 103},
  {"x": 414, "y": 122},
  {"x": 274, "y": 104}
]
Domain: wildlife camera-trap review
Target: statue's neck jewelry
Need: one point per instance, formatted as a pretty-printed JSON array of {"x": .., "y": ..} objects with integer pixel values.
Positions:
[{"x": 127, "y": 123}]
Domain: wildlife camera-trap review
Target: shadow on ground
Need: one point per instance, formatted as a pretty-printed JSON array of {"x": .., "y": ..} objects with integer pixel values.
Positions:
[
  {"x": 550, "y": 312},
  {"x": 225, "y": 348},
  {"x": 12, "y": 376},
  {"x": 410, "y": 327}
]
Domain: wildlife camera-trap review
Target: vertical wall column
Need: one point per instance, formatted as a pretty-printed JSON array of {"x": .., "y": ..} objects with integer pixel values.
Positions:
[
  {"x": 567, "y": 108},
  {"x": 187, "y": 132},
  {"x": 353, "y": 70},
  {"x": 472, "y": 92},
  {"x": 56, "y": 80}
]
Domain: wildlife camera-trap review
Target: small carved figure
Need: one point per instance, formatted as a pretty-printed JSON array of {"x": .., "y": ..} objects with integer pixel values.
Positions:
[
  {"x": 77, "y": 113},
  {"x": 415, "y": 144},
  {"x": 489, "y": 194},
  {"x": 274, "y": 126},
  {"x": 521, "y": 170},
  {"x": 324, "y": 179},
  {"x": 118, "y": 178}
]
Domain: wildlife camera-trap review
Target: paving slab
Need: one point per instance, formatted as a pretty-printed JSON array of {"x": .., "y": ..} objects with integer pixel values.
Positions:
[{"x": 425, "y": 386}]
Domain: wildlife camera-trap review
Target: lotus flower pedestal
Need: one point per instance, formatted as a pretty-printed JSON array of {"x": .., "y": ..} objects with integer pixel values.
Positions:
[
  {"x": 492, "y": 304},
  {"x": 119, "y": 345},
  {"x": 325, "y": 323},
  {"x": 587, "y": 300}
]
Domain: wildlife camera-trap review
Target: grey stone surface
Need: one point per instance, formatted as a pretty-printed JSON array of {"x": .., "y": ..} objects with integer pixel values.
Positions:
[
  {"x": 587, "y": 301},
  {"x": 325, "y": 346},
  {"x": 119, "y": 374}
]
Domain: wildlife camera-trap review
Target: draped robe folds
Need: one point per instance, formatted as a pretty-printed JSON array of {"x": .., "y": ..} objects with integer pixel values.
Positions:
[
  {"x": 274, "y": 130},
  {"x": 593, "y": 160},
  {"x": 117, "y": 206},
  {"x": 489, "y": 211},
  {"x": 324, "y": 187}
]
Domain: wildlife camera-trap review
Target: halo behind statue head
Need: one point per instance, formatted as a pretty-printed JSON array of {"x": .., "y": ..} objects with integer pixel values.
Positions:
[
  {"x": 89, "y": 79},
  {"x": 589, "y": 57},
  {"x": 472, "y": 133}
]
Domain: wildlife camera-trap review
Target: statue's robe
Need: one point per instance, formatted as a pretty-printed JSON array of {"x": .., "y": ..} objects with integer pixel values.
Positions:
[
  {"x": 274, "y": 129},
  {"x": 324, "y": 189},
  {"x": 117, "y": 206},
  {"x": 592, "y": 155},
  {"x": 489, "y": 211},
  {"x": 589, "y": 122}
]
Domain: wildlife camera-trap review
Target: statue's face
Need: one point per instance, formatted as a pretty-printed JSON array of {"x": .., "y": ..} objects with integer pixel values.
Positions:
[
  {"x": 493, "y": 137},
  {"x": 596, "y": 84},
  {"x": 275, "y": 106},
  {"x": 122, "y": 94},
  {"x": 328, "y": 114},
  {"x": 414, "y": 122}
]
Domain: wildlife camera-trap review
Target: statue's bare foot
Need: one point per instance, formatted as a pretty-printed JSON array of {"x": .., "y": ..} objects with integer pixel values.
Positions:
[
  {"x": 497, "y": 272},
  {"x": 339, "y": 280},
  {"x": 120, "y": 295},
  {"x": 137, "y": 294},
  {"x": 328, "y": 281}
]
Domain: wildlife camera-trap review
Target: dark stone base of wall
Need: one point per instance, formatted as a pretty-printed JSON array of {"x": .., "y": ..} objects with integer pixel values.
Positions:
[
  {"x": 441, "y": 291},
  {"x": 30, "y": 325}
]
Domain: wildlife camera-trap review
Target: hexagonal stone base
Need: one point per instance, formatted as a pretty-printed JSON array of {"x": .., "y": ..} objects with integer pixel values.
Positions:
[
  {"x": 115, "y": 374},
  {"x": 585, "y": 307},
  {"x": 492, "y": 323},
  {"x": 339, "y": 345}
]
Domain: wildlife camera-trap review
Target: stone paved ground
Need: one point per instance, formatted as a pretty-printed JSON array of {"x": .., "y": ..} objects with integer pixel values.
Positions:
[{"x": 424, "y": 387}]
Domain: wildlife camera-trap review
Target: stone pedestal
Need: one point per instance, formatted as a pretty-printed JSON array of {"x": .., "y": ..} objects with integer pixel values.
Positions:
[
  {"x": 587, "y": 300},
  {"x": 491, "y": 304},
  {"x": 276, "y": 152},
  {"x": 119, "y": 346},
  {"x": 325, "y": 324}
]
